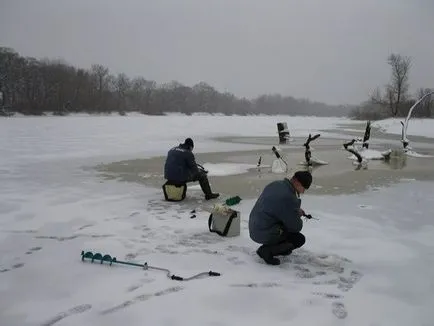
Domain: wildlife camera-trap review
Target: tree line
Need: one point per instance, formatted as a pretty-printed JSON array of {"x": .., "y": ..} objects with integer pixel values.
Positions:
[
  {"x": 35, "y": 86},
  {"x": 395, "y": 100}
]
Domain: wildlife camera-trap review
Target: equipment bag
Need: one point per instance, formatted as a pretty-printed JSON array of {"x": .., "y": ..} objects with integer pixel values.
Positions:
[{"x": 224, "y": 221}]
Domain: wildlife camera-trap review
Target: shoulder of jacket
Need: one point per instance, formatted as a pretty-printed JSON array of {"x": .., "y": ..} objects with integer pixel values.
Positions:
[
  {"x": 179, "y": 149},
  {"x": 291, "y": 188}
]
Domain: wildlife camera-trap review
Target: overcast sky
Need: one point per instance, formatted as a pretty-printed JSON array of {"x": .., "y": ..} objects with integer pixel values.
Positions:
[{"x": 327, "y": 50}]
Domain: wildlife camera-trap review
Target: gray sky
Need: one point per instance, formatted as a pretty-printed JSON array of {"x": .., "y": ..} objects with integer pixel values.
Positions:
[{"x": 333, "y": 51}]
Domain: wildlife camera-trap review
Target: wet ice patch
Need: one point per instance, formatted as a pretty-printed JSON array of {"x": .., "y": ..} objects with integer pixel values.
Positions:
[{"x": 222, "y": 169}]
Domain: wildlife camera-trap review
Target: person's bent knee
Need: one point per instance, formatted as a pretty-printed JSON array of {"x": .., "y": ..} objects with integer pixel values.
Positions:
[
  {"x": 198, "y": 177},
  {"x": 301, "y": 240},
  {"x": 202, "y": 175}
]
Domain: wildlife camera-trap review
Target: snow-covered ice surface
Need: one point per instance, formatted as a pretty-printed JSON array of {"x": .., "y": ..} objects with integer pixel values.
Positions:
[
  {"x": 367, "y": 261},
  {"x": 416, "y": 126},
  {"x": 416, "y": 154},
  {"x": 221, "y": 169},
  {"x": 368, "y": 154}
]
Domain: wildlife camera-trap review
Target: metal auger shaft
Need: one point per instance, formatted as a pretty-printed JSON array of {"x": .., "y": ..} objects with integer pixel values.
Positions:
[{"x": 111, "y": 260}]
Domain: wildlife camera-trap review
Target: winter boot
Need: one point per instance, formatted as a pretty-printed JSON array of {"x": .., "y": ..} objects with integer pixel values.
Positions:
[
  {"x": 265, "y": 253},
  {"x": 211, "y": 196},
  {"x": 206, "y": 188}
]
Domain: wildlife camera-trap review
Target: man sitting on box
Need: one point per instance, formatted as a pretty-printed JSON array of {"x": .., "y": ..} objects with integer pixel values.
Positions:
[
  {"x": 275, "y": 220},
  {"x": 181, "y": 167}
]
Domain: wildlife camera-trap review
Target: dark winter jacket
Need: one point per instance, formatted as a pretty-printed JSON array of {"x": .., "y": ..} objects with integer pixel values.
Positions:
[
  {"x": 180, "y": 164},
  {"x": 275, "y": 210}
]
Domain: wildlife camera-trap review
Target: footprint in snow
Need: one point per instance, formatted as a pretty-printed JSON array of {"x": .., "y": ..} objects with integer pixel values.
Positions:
[
  {"x": 339, "y": 310},
  {"x": 236, "y": 261},
  {"x": 138, "y": 285},
  {"x": 328, "y": 295},
  {"x": 346, "y": 283},
  {"x": 32, "y": 250},
  {"x": 85, "y": 226},
  {"x": 257, "y": 285},
  {"x": 73, "y": 311},
  {"x": 15, "y": 266},
  {"x": 141, "y": 298}
]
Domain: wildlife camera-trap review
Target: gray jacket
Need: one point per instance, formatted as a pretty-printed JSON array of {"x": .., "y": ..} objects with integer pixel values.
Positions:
[
  {"x": 275, "y": 210},
  {"x": 180, "y": 164}
]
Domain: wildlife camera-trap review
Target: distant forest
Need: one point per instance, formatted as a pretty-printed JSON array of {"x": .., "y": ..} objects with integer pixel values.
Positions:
[{"x": 37, "y": 86}]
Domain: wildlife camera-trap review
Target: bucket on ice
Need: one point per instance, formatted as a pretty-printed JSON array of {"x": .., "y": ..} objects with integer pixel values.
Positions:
[{"x": 283, "y": 131}]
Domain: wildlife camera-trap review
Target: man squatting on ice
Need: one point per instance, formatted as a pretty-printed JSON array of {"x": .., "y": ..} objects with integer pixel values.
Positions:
[
  {"x": 275, "y": 220},
  {"x": 181, "y": 167}
]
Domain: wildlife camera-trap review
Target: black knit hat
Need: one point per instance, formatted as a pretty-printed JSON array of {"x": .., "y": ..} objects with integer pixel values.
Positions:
[
  {"x": 189, "y": 142},
  {"x": 304, "y": 177}
]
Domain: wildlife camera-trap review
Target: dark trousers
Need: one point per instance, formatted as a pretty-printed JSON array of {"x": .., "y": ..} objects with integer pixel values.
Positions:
[
  {"x": 285, "y": 244},
  {"x": 202, "y": 177},
  {"x": 296, "y": 239}
]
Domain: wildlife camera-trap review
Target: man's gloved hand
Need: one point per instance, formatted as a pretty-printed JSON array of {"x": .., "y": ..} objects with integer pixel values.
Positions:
[{"x": 301, "y": 212}]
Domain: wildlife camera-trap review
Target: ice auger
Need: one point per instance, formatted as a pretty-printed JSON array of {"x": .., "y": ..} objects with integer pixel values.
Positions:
[{"x": 98, "y": 257}]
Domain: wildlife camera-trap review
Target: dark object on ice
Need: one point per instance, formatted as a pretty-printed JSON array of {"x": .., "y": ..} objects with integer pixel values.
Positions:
[
  {"x": 112, "y": 260},
  {"x": 233, "y": 201},
  {"x": 258, "y": 165},
  {"x": 353, "y": 150},
  {"x": 307, "y": 152},
  {"x": 283, "y": 131},
  {"x": 404, "y": 138},
  {"x": 181, "y": 168},
  {"x": 276, "y": 152},
  {"x": 367, "y": 135}
]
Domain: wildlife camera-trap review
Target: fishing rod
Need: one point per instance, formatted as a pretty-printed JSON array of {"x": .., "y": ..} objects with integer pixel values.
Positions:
[
  {"x": 310, "y": 217},
  {"x": 276, "y": 152}
]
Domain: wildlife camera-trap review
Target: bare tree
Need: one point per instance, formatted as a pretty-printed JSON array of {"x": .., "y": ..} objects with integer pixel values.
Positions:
[
  {"x": 395, "y": 94},
  {"x": 398, "y": 88},
  {"x": 101, "y": 75},
  {"x": 122, "y": 85}
]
